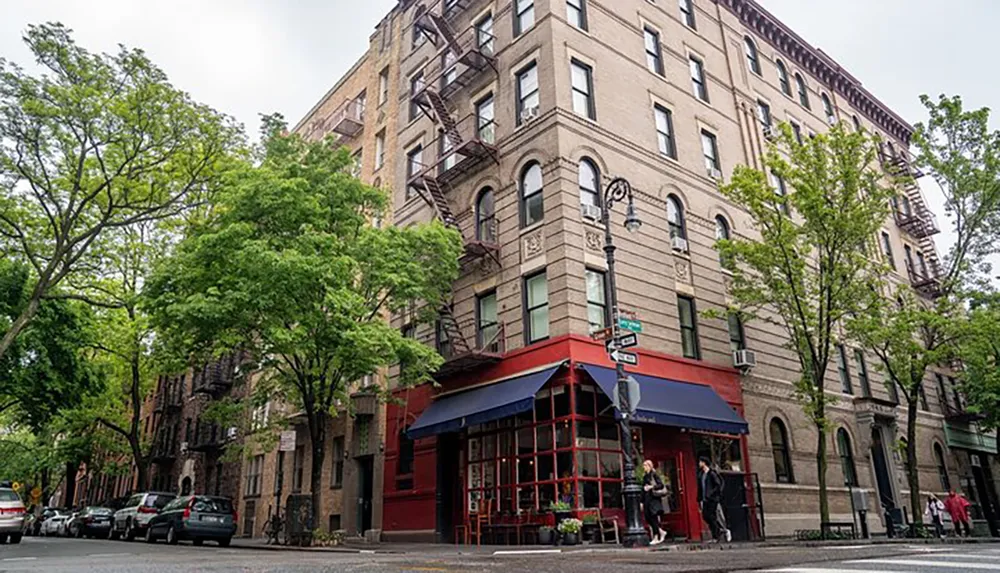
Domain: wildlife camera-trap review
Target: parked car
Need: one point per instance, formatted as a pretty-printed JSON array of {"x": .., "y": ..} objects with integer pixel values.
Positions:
[
  {"x": 34, "y": 520},
  {"x": 90, "y": 522},
  {"x": 194, "y": 517},
  {"x": 55, "y": 525},
  {"x": 11, "y": 516},
  {"x": 132, "y": 518}
]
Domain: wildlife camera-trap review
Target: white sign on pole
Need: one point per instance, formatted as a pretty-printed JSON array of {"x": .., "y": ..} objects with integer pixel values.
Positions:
[{"x": 287, "y": 442}]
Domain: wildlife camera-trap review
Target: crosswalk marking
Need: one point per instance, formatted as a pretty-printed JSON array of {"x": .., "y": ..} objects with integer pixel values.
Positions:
[{"x": 966, "y": 565}]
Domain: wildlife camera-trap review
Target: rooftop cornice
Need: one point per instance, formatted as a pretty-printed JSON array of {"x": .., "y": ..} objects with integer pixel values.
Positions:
[{"x": 817, "y": 63}]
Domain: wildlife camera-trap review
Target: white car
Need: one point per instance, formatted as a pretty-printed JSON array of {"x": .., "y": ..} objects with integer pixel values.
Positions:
[{"x": 55, "y": 525}]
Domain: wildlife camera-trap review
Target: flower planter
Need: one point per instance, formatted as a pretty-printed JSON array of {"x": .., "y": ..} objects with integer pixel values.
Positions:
[
  {"x": 570, "y": 538},
  {"x": 546, "y": 536},
  {"x": 591, "y": 533}
]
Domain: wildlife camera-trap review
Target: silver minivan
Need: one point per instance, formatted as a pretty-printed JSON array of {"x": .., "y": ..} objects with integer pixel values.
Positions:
[
  {"x": 11, "y": 516},
  {"x": 133, "y": 518}
]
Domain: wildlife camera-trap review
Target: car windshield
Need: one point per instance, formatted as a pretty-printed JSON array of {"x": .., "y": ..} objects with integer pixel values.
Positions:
[
  {"x": 8, "y": 495},
  {"x": 212, "y": 505},
  {"x": 159, "y": 501},
  {"x": 98, "y": 511}
]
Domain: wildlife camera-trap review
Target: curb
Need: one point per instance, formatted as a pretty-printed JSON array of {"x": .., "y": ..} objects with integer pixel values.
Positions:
[{"x": 345, "y": 550}]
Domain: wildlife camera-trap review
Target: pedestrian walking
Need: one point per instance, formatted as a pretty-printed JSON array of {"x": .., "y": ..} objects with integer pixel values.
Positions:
[
  {"x": 652, "y": 502},
  {"x": 709, "y": 496},
  {"x": 958, "y": 509},
  {"x": 933, "y": 514}
]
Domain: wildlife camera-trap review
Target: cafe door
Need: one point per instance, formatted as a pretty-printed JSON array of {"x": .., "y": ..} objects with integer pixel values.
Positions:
[{"x": 675, "y": 518}]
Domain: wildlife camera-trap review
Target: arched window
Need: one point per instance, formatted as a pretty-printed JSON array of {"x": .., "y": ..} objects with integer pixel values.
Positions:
[
  {"x": 532, "y": 209},
  {"x": 800, "y": 85},
  {"x": 828, "y": 109},
  {"x": 721, "y": 228},
  {"x": 588, "y": 178},
  {"x": 753, "y": 60},
  {"x": 786, "y": 87},
  {"x": 418, "y": 36},
  {"x": 486, "y": 220},
  {"x": 782, "y": 457},
  {"x": 722, "y": 234},
  {"x": 941, "y": 468},
  {"x": 847, "y": 458},
  {"x": 675, "y": 218},
  {"x": 857, "y": 123}
]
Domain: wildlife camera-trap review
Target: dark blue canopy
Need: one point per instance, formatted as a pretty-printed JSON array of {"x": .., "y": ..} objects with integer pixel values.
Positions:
[
  {"x": 670, "y": 403},
  {"x": 480, "y": 405}
]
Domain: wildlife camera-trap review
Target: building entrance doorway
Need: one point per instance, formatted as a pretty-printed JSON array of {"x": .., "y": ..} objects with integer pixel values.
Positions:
[
  {"x": 883, "y": 479},
  {"x": 366, "y": 477}
]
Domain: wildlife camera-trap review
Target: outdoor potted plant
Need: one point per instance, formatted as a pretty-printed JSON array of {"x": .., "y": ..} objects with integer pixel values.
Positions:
[
  {"x": 591, "y": 531},
  {"x": 569, "y": 529},
  {"x": 562, "y": 510},
  {"x": 545, "y": 535}
]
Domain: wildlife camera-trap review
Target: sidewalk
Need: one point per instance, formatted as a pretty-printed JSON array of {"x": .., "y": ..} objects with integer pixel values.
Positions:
[{"x": 359, "y": 547}]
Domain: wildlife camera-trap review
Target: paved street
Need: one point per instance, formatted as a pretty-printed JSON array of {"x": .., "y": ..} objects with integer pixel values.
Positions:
[{"x": 59, "y": 554}]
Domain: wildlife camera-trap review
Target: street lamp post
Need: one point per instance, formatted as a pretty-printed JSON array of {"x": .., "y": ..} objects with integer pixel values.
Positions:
[{"x": 616, "y": 191}]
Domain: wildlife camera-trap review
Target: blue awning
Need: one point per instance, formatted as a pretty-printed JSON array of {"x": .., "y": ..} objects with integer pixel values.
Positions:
[
  {"x": 480, "y": 405},
  {"x": 670, "y": 403}
]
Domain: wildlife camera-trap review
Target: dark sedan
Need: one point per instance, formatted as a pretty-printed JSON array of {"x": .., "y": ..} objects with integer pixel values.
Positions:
[
  {"x": 194, "y": 517},
  {"x": 90, "y": 522}
]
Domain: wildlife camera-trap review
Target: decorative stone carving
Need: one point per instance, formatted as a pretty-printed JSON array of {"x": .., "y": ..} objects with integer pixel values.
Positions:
[
  {"x": 534, "y": 244},
  {"x": 487, "y": 266},
  {"x": 594, "y": 241},
  {"x": 682, "y": 270}
]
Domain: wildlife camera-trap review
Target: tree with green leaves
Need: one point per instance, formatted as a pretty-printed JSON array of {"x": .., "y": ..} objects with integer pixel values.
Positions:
[
  {"x": 979, "y": 352},
  {"x": 815, "y": 211},
  {"x": 46, "y": 368},
  {"x": 289, "y": 270},
  {"x": 96, "y": 143},
  {"x": 910, "y": 333}
]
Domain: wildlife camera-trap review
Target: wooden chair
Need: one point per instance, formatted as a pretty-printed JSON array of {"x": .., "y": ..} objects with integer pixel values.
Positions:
[
  {"x": 474, "y": 523},
  {"x": 609, "y": 527}
]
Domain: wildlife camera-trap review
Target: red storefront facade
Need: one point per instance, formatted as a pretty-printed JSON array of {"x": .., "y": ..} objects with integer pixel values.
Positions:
[{"x": 565, "y": 448}]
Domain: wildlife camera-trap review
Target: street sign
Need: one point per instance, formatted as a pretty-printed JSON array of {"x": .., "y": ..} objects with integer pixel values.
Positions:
[
  {"x": 629, "y": 324},
  {"x": 287, "y": 441},
  {"x": 623, "y": 357},
  {"x": 623, "y": 341},
  {"x": 602, "y": 334},
  {"x": 634, "y": 395}
]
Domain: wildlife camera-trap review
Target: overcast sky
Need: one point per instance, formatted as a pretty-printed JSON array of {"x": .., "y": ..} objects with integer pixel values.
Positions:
[{"x": 246, "y": 57}]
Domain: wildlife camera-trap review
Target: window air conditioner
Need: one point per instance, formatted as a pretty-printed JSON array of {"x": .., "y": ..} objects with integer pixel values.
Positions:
[
  {"x": 713, "y": 172},
  {"x": 679, "y": 244},
  {"x": 744, "y": 358},
  {"x": 592, "y": 212},
  {"x": 529, "y": 113}
]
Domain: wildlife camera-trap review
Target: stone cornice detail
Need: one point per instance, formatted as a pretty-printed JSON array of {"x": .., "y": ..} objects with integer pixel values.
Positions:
[{"x": 817, "y": 63}]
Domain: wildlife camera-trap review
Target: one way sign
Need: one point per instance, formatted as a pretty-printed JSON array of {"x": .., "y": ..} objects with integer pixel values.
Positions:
[
  {"x": 624, "y": 341},
  {"x": 623, "y": 357}
]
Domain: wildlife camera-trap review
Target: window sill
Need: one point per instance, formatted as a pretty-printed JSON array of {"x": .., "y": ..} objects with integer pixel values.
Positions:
[
  {"x": 338, "y": 486},
  {"x": 681, "y": 254},
  {"x": 531, "y": 228}
]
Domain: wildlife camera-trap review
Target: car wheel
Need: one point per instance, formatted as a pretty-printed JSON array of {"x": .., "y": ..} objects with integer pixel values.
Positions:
[
  {"x": 171, "y": 536},
  {"x": 225, "y": 541},
  {"x": 3, "y": 538},
  {"x": 112, "y": 534},
  {"x": 198, "y": 542},
  {"x": 149, "y": 535},
  {"x": 79, "y": 533},
  {"x": 15, "y": 538},
  {"x": 129, "y": 532}
]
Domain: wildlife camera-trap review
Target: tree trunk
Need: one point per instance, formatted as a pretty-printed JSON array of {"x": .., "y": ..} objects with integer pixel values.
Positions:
[
  {"x": 45, "y": 486},
  {"x": 824, "y": 502},
  {"x": 317, "y": 436},
  {"x": 141, "y": 463},
  {"x": 20, "y": 323},
  {"x": 70, "y": 500},
  {"x": 912, "y": 473}
]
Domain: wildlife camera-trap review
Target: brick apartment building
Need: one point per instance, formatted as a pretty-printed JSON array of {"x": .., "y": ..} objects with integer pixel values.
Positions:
[{"x": 505, "y": 119}]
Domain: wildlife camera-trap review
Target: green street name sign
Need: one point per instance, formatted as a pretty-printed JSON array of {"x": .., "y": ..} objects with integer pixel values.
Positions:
[{"x": 630, "y": 324}]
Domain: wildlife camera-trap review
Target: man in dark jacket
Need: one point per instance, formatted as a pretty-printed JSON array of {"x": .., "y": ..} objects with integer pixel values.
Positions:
[{"x": 709, "y": 496}]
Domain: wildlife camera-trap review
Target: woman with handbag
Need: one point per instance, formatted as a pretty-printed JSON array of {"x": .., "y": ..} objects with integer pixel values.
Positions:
[{"x": 652, "y": 501}]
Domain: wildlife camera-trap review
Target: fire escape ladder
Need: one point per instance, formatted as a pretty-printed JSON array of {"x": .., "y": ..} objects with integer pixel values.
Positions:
[
  {"x": 444, "y": 119},
  {"x": 444, "y": 30},
  {"x": 452, "y": 331},
  {"x": 435, "y": 196}
]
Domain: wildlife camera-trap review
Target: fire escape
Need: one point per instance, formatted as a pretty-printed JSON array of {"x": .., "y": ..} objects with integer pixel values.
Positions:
[
  {"x": 463, "y": 147},
  {"x": 916, "y": 219}
]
